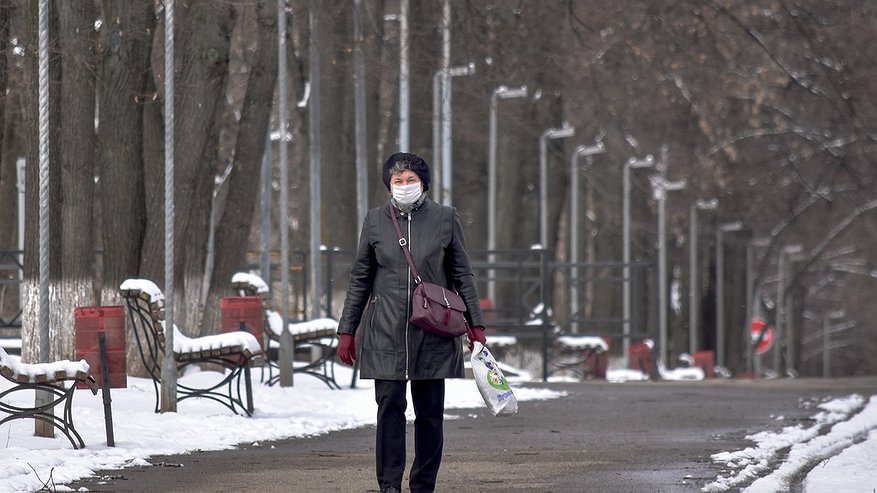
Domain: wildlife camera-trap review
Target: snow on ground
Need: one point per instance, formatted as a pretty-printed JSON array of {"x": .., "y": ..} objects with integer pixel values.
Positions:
[
  {"x": 306, "y": 409},
  {"x": 835, "y": 454}
]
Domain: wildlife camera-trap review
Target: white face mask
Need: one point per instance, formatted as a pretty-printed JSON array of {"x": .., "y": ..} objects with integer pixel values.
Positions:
[{"x": 407, "y": 194}]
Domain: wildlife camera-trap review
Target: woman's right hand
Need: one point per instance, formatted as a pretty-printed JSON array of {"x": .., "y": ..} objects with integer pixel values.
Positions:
[{"x": 347, "y": 348}]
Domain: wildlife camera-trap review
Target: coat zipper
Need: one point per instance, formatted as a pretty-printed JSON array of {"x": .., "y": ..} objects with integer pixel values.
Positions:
[{"x": 408, "y": 295}]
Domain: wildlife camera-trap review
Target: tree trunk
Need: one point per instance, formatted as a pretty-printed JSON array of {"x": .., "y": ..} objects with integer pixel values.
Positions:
[
  {"x": 336, "y": 121},
  {"x": 124, "y": 74},
  {"x": 233, "y": 228},
  {"x": 7, "y": 165},
  {"x": 202, "y": 40},
  {"x": 77, "y": 138}
]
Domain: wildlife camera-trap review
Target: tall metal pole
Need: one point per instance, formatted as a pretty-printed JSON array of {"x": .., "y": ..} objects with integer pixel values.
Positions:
[
  {"x": 661, "y": 188},
  {"x": 501, "y": 92},
  {"x": 720, "y": 288},
  {"x": 750, "y": 301},
  {"x": 752, "y": 305},
  {"x": 587, "y": 151},
  {"x": 314, "y": 138},
  {"x": 437, "y": 79},
  {"x": 827, "y": 330},
  {"x": 287, "y": 350},
  {"x": 693, "y": 287},
  {"x": 438, "y": 143},
  {"x": 447, "y": 172},
  {"x": 265, "y": 192},
  {"x": 169, "y": 365},
  {"x": 782, "y": 265},
  {"x": 359, "y": 104},
  {"x": 404, "y": 109},
  {"x": 778, "y": 318},
  {"x": 551, "y": 133},
  {"x": 826, "y": 350},
  {"x": 44, "y": 345},
  {"x": 43, "y": 398},
  {"x": 625, "y": 248}
]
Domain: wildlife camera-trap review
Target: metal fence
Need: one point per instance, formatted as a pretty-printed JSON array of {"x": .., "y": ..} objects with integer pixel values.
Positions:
[{"x": 536, "y": 298}]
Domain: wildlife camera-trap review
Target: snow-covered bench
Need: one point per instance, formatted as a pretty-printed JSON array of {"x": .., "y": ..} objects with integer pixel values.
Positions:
[
  {"x": 319, "y": 334},
  {"x": 580, "y": 354},
  {"x": 52, "y": 379},
  {"x": 234, "y": 351}
]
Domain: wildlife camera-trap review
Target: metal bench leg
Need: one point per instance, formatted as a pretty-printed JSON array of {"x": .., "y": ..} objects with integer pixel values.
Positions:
[{"x": 249, "y": 384}]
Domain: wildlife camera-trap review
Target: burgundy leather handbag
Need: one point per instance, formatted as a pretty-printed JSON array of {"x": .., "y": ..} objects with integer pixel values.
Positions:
[{"x": 434, "y": 309}]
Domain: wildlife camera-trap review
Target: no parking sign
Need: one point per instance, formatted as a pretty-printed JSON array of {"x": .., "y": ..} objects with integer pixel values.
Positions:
[{"x": 766, "y": 342}]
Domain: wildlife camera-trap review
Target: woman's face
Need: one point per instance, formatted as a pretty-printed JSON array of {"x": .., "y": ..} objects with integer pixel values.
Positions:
[{"x": 405, "y": 177}]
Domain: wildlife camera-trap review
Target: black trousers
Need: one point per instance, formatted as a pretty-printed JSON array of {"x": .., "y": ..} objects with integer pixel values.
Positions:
[{"x": 428, "y": 397}]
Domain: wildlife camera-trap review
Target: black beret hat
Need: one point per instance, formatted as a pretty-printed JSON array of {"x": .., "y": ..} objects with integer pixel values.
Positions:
[{"x": 412, "y": 161}]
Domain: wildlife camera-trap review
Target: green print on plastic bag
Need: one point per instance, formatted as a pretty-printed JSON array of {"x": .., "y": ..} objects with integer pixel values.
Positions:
[{"x": 494, "y": 375}]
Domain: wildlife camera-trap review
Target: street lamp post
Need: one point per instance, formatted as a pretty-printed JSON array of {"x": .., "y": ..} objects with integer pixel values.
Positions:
[
  {"x": 782, "y": 260},
  {"x": 826, "y": 340},
  {"x": 550, "y": 134},
  {"x": 720, "y": 288},
  {"x": 631, "y": 163},
  {"x": 753, "y": 360},
  {"x": 586, "y": 151},
  {"x": 437, "y": 123},
  {"x": 404, "y": 70},
  {"x": 660, "y": 188},
  {"x": 501, "y": 92},
  {"x": 693, "y": 287}
]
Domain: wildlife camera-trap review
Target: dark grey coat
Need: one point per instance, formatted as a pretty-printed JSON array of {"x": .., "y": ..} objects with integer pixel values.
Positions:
[{"x": 389, "y": 346}]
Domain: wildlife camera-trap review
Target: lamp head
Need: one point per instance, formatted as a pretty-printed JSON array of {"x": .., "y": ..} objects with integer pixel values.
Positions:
[
  {"x": 707, "y": 204},
  {"x": 647, "y": 162},
  {"x": 504, "y": 92},
  {"x": 560, "y": 133}
]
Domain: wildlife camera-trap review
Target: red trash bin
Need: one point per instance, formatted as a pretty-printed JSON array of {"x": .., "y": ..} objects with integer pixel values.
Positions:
[
  {"x": 640, "y": 356},
  {"x": 247, "y": 309},
  {"x": 706, "y": 361},
  {"x": 89, "y": 322}
]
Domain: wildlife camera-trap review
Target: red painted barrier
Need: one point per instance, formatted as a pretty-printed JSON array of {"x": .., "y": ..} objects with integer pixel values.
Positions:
[
  {"x": 247, "y": 309},
  {"x": 89, "y": 321},
  {"x": 706, "y": 361}
]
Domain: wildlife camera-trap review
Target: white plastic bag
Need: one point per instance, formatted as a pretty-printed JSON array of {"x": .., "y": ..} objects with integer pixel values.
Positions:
[{"x": 492, "y": 383}]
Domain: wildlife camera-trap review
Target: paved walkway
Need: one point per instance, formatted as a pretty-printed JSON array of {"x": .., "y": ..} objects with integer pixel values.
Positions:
[{"x": 601, "y": 437}]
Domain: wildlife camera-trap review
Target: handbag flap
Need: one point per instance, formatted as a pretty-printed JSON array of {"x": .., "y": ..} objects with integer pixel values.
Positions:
[{"x": 442, "y": 296}]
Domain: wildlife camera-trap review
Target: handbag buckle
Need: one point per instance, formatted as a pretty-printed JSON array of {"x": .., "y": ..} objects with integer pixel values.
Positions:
[
  {"x": 417, "y": 280},
  {"x": 403, "y": 242}
]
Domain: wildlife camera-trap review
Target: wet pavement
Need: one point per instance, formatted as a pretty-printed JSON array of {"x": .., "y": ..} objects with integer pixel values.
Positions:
[{"x": 600, "y": 437}]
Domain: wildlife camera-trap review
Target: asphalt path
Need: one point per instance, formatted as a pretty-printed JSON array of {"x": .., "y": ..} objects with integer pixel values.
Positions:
[{"x": 600, "y": 437}]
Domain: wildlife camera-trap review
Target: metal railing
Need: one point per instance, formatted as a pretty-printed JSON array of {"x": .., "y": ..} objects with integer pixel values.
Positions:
[{"x": 537, "y": 299}]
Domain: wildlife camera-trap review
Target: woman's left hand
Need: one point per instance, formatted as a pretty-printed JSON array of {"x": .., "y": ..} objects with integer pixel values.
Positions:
[{"x": 476, "y": 334}]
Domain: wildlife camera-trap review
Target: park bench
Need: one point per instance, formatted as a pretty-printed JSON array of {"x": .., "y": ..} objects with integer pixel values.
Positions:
[
  {"x": 582, "y": 355},
  {"x": 52, "y": 379},
  {"x": 235, "y": 352},
  {"x": 318, "y": 335}
]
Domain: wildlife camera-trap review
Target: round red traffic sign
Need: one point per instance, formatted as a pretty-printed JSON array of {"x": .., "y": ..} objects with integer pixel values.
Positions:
[{"x": 763, "y": 346}]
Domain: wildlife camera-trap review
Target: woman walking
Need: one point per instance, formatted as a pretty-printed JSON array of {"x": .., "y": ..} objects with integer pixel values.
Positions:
[{"x": 392, "y": 351}]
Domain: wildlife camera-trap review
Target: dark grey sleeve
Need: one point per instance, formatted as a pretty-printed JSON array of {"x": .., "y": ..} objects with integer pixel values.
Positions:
[{"x": 359, "y": 287}]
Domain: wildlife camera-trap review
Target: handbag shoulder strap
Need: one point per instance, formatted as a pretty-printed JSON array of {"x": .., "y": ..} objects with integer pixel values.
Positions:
[{"x": 404, "y": 244}]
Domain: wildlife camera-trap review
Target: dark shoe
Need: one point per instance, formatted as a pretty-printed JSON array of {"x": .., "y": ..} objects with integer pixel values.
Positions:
[{"x": 390, "y": 489}]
